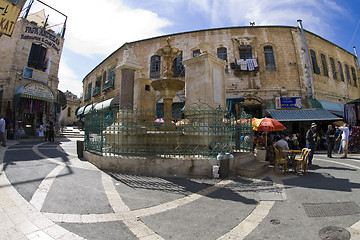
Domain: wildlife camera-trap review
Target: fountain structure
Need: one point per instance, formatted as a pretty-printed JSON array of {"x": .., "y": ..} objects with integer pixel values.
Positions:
[
  {"x": 168, "y": 86},
  {"x": 204, "y": 83}
]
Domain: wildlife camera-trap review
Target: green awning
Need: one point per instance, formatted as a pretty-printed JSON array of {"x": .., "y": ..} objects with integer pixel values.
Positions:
[
  {"x": 335, "y": 108},
  {"x": 302, "y": 115},
  {"x": 36, "y": 91}
]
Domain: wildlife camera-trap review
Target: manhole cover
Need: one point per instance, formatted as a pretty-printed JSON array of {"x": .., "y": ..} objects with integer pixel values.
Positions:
[
  {"x": 275, "y": 221},
  {"x": 331, "y": 209},
  {"x": 334, "y": 233}
]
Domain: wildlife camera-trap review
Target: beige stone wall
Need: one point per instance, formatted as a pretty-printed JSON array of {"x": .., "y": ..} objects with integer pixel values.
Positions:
[
  {"x": 14, "y": 52},
  {"x": 291, "y": 77},
  {"x": 67, "y": 120}
]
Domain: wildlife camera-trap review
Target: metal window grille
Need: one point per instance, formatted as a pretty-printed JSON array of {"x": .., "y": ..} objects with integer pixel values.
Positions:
[
  {"x": 333, "y": 68},
  {"x": 347, "y": 71},
  {"x": 341, "y": 71},
  {"x": 155, "y": 63},
  {"x": 269, "y": 58},
  {"x": 324, "y": 64}
]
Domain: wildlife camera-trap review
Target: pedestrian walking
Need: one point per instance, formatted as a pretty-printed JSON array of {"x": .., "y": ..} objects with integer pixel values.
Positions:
[
  {"x": 330, "y": 140},
  {"x": 2, "y": 130},
  {"x": 345, "y": 139},
  {"x": 41, "y": 131},
  {"x": 311, "y": 136},
  {"x": 51, "y": 131}
]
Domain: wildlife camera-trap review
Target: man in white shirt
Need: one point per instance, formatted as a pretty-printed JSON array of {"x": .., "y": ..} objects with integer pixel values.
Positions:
[
  {"x": 282, "y": 144},
  {"x": 345, "y": 139},
  {"x": 2, "y": 131}
]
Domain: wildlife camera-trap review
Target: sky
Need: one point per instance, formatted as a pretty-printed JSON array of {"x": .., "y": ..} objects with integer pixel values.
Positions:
[{"x": 95, "y": 29}]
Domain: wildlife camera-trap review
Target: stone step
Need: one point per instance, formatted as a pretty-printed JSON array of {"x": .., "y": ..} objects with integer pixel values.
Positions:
[{"x": 249, "y": 166}]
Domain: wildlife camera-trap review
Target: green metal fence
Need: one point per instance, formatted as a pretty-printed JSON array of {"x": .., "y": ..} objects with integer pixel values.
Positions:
[{"x": 202, "y": 132}]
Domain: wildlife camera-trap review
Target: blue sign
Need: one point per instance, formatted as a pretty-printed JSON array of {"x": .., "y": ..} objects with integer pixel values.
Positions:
[{"x": 288, "y": 102}]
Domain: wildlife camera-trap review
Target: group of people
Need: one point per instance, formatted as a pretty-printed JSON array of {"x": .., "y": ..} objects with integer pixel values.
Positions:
[
  {"x": 312, "y": 134},
  {"x": 47, "y": 131}
]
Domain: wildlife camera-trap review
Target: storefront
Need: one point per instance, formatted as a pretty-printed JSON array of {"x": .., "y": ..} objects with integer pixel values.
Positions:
[{"x": 34, "y": 104}]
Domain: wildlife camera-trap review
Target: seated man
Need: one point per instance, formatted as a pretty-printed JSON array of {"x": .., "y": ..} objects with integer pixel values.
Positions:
[{"x": 282, "y": 144}]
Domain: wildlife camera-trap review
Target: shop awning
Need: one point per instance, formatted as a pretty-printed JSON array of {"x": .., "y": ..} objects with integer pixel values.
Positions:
[
  {"x": 88, "y": 108},
  {"x": 36, "y": 91},
  {"x": 109, "y": 103},
  {"x": 335, "y": 108},
  {"x": 80, "y": 111},
  {"x": 302, "y": 115},
  {"x": 61, "y": 99}
]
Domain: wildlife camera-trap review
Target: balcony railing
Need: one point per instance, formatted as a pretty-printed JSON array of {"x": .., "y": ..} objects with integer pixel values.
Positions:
[
  {"x": 96, "y": 91},
  {"x": 108, "y": 84},
  {"x": 87, "y": 96}
]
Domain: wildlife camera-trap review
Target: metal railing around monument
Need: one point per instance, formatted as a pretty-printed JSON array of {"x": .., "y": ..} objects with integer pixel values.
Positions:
[{"x": 200, "y": 133}]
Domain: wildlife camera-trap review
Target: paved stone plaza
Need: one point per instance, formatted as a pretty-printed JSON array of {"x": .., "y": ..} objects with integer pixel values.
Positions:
[{"x": 48, "y": 193}]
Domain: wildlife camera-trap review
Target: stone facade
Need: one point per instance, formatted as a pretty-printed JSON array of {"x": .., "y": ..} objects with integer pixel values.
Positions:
[
  {"x": 17, "y": 71},
  {"x": 285, "y": 73},
  {"x": 69, "y": 113}
]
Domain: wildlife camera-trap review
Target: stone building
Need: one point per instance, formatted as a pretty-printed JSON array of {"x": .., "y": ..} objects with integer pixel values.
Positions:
[
  {"x": 269, "y": 72},
  {"x": 68, "y": 114},
  {"x": 29, "y": 73}
]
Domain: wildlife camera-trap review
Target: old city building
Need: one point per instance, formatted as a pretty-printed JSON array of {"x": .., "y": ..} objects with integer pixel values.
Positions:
[
  {"x": 29, "y": 73},
  {"x": 68, "y": 114},
  {"x": 271, "y": 70}
]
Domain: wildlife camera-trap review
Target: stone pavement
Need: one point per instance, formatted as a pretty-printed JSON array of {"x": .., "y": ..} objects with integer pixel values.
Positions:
[{"x": 46, "y": 192}]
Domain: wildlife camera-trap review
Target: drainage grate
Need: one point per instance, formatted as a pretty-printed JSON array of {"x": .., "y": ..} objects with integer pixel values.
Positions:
[{"x": 331, "y": 209}]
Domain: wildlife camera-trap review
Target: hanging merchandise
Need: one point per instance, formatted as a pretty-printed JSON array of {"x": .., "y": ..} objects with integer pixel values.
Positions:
[{"x": 354, "y": 139}]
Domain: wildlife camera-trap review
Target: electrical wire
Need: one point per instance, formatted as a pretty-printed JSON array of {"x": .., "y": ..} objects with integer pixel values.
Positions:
[{"x": 354, "y": 34}]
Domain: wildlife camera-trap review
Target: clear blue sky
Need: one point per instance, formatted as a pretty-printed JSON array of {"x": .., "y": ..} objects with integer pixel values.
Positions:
[{"x": 97, "y": 28}]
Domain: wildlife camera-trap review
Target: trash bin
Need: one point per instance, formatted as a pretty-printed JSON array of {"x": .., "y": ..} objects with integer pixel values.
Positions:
[
  {"x": 224, "y": 164},
  {"x": 80, "y": 148}
]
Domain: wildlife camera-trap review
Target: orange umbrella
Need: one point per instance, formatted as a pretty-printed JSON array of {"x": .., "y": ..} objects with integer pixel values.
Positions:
[{"x": 267, "y": 125}]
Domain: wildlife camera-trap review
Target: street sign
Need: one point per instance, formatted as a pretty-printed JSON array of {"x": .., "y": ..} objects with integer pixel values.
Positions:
[{"x": 9, "y": 13}]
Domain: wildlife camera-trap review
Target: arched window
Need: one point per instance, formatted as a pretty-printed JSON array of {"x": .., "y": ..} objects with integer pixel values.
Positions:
[
  {"x": 196, "y": 52},
  {"x": 324, "y": 65},
  {"x": 347, "y": 72},
  {"x": 341, "y": 71},
  {"x": 269, "y": 58},
  {"x": 155, "y": 63},
  {"x": 333, "y": 68},
  {"x": 177, "y": 67},
  {"x": 69, "y": 112},
  {"x": 222, "y": 54},
  {"x": 354, "y": 76},
  {"x": 315, "y": 65}
]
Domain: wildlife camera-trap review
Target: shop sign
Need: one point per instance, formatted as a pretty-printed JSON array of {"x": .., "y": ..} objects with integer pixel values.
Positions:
[
  {"x": 9, "y": 12},
  {"x": 35, "y": 75},
  {"x": 38, "y": 91},
  {"x": 42, "y": 35},
  {"x": 288, "y": 102}
]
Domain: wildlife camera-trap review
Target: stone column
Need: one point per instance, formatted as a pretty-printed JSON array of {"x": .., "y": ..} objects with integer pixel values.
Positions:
[{"x": 205, "y": 81}]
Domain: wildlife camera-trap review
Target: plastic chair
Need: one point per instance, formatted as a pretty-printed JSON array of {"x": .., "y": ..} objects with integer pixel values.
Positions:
[
  {"x": 303, "y": 162},
  {"x": 301, "y": 155},
  {"x": 279, "y": 160}
]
